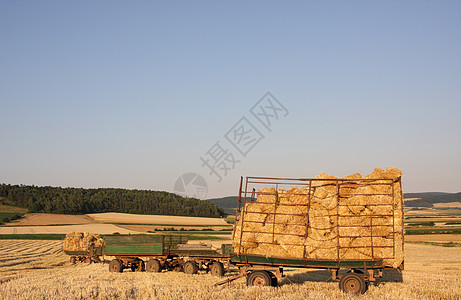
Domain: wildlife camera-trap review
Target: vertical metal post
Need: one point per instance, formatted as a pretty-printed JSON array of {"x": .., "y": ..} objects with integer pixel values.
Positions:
[
  {"x": 337, "y": 216},
  {"x": 243, "y": 217},
  {"x": 393, "y": 219},
  {"x": 401, "y": 207},
  {"x": 240, "y": 196},
  {"x": 275, "y": 211},
  {"x": 308, "y": 208},
  {"x": 371, "y": 236}
]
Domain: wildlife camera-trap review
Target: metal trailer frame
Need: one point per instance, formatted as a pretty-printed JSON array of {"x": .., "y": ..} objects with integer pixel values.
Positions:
[
  {"x": 260, "y": 270},
  {"x": 91, "y": 256},
  {"x": 164, "y": 252},
  {"x": 128, "y": 250}
]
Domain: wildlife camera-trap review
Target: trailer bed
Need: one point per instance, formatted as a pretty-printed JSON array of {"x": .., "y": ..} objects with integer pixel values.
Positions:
[
  {"x": 253, "y": 259},
  {"x": 142, "y": 245}
]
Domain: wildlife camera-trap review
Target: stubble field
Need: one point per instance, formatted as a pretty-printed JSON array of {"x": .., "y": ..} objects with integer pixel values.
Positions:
[{"x": 39, "y": 270}]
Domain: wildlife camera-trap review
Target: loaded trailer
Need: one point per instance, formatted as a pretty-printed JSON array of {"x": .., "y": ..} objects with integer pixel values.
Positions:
[
  {"x": 163, "y": 252},
  {"x": 352, "y": 226},
  {"x": 83, "y": 247}
]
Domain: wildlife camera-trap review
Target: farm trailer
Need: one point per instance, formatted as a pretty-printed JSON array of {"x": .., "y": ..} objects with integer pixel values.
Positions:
[
  {"x": 273, "y": 219},
  {"x": 164, "y": 252}
]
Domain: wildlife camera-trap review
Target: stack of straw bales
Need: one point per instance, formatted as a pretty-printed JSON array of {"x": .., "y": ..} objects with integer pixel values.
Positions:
[
  {"x": 343, "y": 220},
  {"x": 81, "y": 241}
]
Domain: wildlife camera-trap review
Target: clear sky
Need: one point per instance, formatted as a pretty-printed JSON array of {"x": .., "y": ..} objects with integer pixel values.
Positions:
[{"x": 133, "y": 94}]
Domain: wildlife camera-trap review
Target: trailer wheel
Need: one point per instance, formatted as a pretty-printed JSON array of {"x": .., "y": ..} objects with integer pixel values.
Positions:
[
  {"x": 217, "y": 269},
  {"x": 259, "y": 278},
  {"x": 153, "y": 265},
  {"x": 115, "y": 266},
  {"x": 352, "y": 283},
  {"x": 190, "y": 267}
]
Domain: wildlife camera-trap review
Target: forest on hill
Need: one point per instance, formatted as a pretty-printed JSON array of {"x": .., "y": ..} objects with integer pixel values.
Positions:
[
  {"x": 49, "y": 199},
  {"x": 428, "y": 199},
  {"x": 425, "y": 199}
]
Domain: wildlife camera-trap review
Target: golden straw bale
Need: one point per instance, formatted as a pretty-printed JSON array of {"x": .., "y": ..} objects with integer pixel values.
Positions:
[
  {"x": 379, "y": 210},
  {"x": 382, "y": 231},
  {"x": 293, "y": 230},
  {"x": 383, "y": 241},
  {"x": 346, "y": 188},
  {"x": 378, "y": 221},
  {"x": 293, "y": 251},
  {"x": 385, "y": 252},
  {"x": 324, "y": 252},
  {"x": 366, "y": 215},
  {"x": 354, "y": 221},
  {"x": 355, "y": 253},
  {"x": 266, "y": 195}
]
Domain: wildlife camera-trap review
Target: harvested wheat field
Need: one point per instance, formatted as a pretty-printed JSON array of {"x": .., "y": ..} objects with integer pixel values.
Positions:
[
  {"x": 155, "y": 219},
  {"x": 19, "y": 256},
  {"x": 150, "y": 228},
  {"x": 442, "y": 238},
  {"x": 448, "y": 205},
  {"x": 52, "y": 219},
  {"x": 38, "y": 270},
  {"x": 93, "y": 228}
]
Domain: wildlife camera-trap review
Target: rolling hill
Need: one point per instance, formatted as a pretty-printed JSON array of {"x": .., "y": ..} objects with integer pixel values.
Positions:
[
  {"x": 49, "y": 199},
  {"x": 427, "y": 199}
]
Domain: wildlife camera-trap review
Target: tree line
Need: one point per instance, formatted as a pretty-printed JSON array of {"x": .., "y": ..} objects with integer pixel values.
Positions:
[{"x": 49, "y": 199}]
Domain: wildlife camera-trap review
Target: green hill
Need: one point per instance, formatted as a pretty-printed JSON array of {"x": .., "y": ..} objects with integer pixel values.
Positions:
[
  {"x": 49, "y": 199},
  {"x": 426, "y": 199},
  {"x": 430, "y": 198}
]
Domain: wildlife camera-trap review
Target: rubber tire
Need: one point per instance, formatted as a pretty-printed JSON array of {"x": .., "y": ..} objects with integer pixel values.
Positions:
[
  {"x": 153, "y": 265},
  {"x": 115, "y": 266},
  {"x": 217, "y": 269},
  {"x": 358, "y": 271},
  {"x": 73, "y": 260},
  {"x": 190, "y": 267},
  {"x": 259, "y": 278},
  {"x": 352, "y": 283}
]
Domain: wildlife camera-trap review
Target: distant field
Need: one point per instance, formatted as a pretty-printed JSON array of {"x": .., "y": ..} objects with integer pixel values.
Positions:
[
  {"x": 106, "y": 223},
  {"x": 442, "y": 238},
  {"x": 155, "y": 219},
  {"x": 93, "y": 228},
  {"x": 51, "y": 219},
  {"x": 151, "y": 228},
  {"x": 436, "y": 226},
  {"x": 433, "y": 212},
  {"x": 450, "y": 204}
]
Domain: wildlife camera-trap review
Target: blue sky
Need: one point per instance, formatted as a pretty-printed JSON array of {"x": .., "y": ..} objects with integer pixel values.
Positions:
[{"x": 132, "y": 93}]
